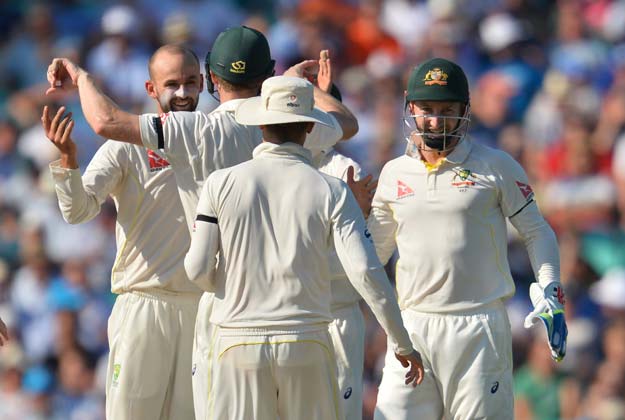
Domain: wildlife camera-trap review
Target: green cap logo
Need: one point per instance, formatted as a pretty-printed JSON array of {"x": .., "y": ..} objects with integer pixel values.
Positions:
[{"x": 238, "y": 67}]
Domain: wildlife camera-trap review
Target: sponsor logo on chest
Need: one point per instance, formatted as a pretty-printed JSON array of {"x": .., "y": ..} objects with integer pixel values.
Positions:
[{"x": 403, "y": 190}]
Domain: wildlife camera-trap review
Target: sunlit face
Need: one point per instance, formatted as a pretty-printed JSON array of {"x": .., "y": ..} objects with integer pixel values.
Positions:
[
  {"x": 436, "y": 124},
  {"x": 176, "y": 82},
  {"x": 433, "y": 116}
]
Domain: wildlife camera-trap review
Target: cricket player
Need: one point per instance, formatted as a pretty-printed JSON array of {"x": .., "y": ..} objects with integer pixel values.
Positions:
[
  {"x": 196, "y": 144},
  {"x": 271, "y": 221},
  {"x": 347, "y": 329},
  {"x": 443, "y": 206},
  {"x": 151, "y": 326}
]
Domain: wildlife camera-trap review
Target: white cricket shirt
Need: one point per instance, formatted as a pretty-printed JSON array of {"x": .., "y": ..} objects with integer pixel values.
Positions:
[
  {"x": 196, "y": 144},
  {"x": 150, "y": 229},
  {"x": 332, "y": 163},
  {"x": 449, "y": 227},
  {"x": 274, "y": 220}
]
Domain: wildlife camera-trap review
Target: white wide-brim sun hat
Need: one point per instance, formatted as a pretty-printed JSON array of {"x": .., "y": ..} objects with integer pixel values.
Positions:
[{"x": 282, "y": 100}]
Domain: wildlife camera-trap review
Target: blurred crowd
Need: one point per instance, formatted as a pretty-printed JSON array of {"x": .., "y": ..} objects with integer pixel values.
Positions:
[{"x": 548, "y": 86}]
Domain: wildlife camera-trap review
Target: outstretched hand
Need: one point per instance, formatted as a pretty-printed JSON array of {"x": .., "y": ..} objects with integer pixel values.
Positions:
[
  {"x": 62, "y": 74},
  {"x": 414, "y": 364},
  {"x": 363, "y": 190},
  {"x": 324, "y": 77},
  {"x": 59, "y": 131}
]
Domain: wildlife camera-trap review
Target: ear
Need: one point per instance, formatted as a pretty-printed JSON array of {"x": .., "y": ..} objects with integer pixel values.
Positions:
[
  {"x": 151, "y": 89},
  {"x": 213, "y": 77},
  {"x": 309, "y": 127}
]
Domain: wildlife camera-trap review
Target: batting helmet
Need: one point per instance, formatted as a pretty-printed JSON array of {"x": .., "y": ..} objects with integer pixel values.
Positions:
[
  {"x": 239, "y": 55},
  {"x": 438, "y": 80}
]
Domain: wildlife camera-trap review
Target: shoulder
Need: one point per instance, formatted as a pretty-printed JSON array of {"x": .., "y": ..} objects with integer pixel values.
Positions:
[
  {"x": 342, "y": 160},
  {"x": 336, "y": 164},
  {"x": 396, "y": 165},
  {"x": 498, "y": 160}
]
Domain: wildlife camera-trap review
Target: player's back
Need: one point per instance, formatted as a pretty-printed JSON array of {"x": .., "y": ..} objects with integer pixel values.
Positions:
[{"x": 274, "y": 216}]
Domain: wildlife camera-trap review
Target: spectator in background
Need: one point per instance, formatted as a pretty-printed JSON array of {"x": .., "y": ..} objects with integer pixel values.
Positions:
[
  {"x": 121, "y": 52},
  {"x": 537, "y": 385}
]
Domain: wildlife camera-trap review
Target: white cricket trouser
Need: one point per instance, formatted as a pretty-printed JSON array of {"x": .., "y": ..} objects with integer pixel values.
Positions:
[
  {"x": 266, "y": 374},
  {"x": 468, "y": 368},
  {"x": 348, "y": 338},
  {"x": 202, "y": 341},
  {"x": 148, "y": 373}
]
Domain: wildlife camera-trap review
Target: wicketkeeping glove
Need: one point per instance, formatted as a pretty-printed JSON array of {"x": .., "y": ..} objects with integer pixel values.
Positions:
[{"x": 549, "y": 308}]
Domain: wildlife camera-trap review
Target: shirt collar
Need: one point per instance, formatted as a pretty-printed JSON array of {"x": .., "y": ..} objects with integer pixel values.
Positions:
[
  {"x": 460, "y": 153},
  {"x": 229, "y": 106},
  {"x": 288, "y": 149},
  {"x": 457, "y": 156}
]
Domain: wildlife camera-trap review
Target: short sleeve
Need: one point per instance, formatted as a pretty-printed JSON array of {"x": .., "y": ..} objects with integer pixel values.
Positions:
[{"x": 178, "y": 134}]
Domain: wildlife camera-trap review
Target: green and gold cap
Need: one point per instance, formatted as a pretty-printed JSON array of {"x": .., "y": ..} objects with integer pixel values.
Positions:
[
  {"x": 240, "y": 55},
  {"x": 438, "y": 79}
]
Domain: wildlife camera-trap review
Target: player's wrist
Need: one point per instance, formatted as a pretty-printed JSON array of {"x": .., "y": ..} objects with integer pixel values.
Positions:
[{"x": 69, "y": 161}]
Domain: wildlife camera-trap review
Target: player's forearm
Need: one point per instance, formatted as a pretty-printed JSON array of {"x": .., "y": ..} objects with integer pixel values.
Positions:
[
  {"x": 382, "y": 229},
  {"x": 201, "y": 259},
  {"x": 376, "y": 290},
  {"x": 76, "y": 205},
  {"x": 541, "y": 244},
  {"x": 368, "y": 277},
  {"x": 103, "y": 115},
  {"x": 345, "y": 118}
]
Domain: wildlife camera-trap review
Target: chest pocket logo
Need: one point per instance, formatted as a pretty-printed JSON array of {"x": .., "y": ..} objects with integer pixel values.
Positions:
[
  {"x": 403, "y": 190},
  {"x": 462, "y": 179}
]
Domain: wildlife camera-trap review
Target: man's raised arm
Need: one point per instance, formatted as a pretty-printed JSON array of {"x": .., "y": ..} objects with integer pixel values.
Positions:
[
  {"x": 102, "y": 114},
  {"x": 323, "y": 99}
]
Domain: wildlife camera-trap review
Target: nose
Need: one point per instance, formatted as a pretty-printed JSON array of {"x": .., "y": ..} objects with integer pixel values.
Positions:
[
  {"x": 181, "y": 92},
  {"x": 434, "y": 122}
]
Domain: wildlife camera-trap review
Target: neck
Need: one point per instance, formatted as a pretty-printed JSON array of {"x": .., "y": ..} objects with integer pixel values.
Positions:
[
  {"x": 432, "y": 156},
  {"x": 225, "y": 96},
  {"x": 429, "y": 155},
  {"x": 276, "y": 141}
]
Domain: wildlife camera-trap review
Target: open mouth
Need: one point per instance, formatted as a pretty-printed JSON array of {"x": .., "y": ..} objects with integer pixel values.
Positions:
[{"x": 182, "y": 104}]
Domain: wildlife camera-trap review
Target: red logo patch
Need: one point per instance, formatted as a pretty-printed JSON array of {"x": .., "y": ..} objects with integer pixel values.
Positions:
[
  {"x": 403, "y": 190},
  {"x": 157, "y": 163},
  {"x": 526, "y": 190}
]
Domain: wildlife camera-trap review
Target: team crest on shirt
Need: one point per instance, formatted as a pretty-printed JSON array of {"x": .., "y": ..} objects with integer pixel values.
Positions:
[
  {"x": 403, "y": 190},
  {"x": 525, "y": 189},
  {"x": 462, "y": 179},
  {"x": 156, "y": 162}
]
